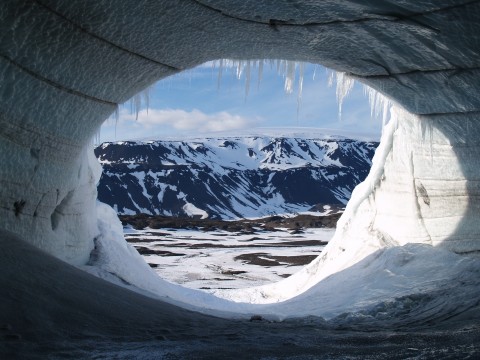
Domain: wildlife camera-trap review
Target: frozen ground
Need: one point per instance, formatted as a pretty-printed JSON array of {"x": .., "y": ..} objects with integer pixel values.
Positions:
[
  {"x": 57, "y": 311},
  {"x": 222, "y": 259}
]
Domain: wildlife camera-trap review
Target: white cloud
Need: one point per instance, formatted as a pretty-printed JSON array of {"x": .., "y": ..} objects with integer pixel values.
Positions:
[{"x": 188, "y": 120}]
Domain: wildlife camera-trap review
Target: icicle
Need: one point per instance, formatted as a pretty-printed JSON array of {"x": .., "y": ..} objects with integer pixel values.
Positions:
[
  {"x": 96, "y": 137},
  {"x": 330, "y": 77},
  {"x": 300, "y": 88},
  {"x": 289, "y": 76},
  {"x": 379, "y": 104},
  {"x": 247, "y": 78},
  {"x": 220, "y": 72},
  {"x": 146, "y": 97},
  {"x": 386, "y": 106},
  {"x": 240, "y": 66},
  {"x": 344, "y": 86},
  {"x": 139, "y": 101},
  {"x": 116, "y": 113},
  {"x": 260, "y": 73},
  {"x": 285, "y": 68},
  {"x": 137, "y": 104}
]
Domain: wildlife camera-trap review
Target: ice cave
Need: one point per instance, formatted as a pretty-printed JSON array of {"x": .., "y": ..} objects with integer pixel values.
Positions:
[{"x": 404, "y": 259}]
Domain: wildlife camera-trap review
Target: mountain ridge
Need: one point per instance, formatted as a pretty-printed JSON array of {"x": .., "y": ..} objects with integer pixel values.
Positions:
[{"x": 231, "y": 177}]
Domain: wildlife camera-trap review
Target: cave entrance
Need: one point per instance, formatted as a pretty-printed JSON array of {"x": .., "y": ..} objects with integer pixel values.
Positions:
[{"x": 238, "y": 170}]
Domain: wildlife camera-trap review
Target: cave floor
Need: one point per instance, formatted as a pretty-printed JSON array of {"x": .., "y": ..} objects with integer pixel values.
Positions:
[{"x": 51, "y": 310}]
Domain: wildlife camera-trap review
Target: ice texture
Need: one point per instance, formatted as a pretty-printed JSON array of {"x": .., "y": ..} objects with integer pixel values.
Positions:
[
  {"x": 344, "y": 86},
  {"x": 66, "y": 65}
]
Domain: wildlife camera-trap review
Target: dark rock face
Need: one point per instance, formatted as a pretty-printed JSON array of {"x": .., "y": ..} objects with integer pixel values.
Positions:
[{"x": 232, "y": 177}]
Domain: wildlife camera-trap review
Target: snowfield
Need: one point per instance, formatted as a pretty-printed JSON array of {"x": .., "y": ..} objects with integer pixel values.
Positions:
[
  {"x": 379, "y": 287},
  {"x": 222, "y": 259},
  {"x": 92, "y": 318}
]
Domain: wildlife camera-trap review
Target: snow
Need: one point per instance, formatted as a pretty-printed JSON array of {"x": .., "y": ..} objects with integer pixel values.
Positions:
[
  {"x": 192, "y": 210},
  {"x": 267, "y": 147},
  {"x": 68, "y": 314},
  {"x": 388, "y": 277},
  {"x": 374, "y": 245},
  {"x": 393, "y": 278},
  {"x": 396, "y": 258},
  {"x": 225, "y": 163},
  {"x": 391, "y": 245},
  {"x": 370, "y": 261},
  {"x": 200, "y": 259}
]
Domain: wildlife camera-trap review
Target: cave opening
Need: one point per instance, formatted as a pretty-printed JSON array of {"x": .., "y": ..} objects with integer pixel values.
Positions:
[{"x": 233, "y": 143}]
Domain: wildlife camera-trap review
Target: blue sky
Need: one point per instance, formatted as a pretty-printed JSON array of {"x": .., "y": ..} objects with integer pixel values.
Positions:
[{"x": 196, "y": 102}]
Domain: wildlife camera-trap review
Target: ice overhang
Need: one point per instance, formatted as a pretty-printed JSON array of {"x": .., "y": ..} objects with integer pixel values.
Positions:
[{"x": 419, "y": 53}]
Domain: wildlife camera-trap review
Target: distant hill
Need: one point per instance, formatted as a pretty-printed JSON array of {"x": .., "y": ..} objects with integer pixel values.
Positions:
[{"x": 232, "y": 177}]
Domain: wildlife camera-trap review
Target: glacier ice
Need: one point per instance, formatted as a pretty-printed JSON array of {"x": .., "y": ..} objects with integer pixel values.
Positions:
[
  {"x": 379, "y": 104},
  {"x": 285, "y": 68},
  {"x": 65, "y": 67},
  {"x": 344, "y": 86},
  {"x": 389, "y": 210},
  {"x": 382, "y": 240}
]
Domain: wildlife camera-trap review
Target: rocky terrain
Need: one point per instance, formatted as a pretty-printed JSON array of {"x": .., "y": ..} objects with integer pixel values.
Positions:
[
  {"x": 142, "y": 221},
  {"x": 212, "y": 254}
]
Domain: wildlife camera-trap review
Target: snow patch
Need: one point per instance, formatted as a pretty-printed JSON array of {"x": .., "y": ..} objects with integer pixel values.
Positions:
[{"x": 191, "y": 210}]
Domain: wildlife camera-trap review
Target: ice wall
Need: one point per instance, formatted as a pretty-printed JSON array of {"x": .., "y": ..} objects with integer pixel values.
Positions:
[
  {"x": 423, "y": 188},
  {"x": 431, "y": 183},
  {"x": 60, "y": 219},
  {"x": 427, "y": 187},
  {"x": 66, "y": 65}
]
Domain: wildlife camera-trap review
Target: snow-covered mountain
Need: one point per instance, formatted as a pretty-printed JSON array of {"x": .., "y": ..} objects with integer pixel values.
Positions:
[{"x": 232, "y": 177}]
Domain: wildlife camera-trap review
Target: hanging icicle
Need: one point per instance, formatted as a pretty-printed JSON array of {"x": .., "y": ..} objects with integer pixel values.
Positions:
[
  {"x": 300, "y": 88},
  {"x": 344, "y": 86},
  {"x": 379, "y": 104},
  {"x": 247, "y": 78},
  {"x": 220, "y": 73},
  {"x": 140, "y": 101},
  {"x": 289, "y": 76},
  {"x": 260, "y": 73}
]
